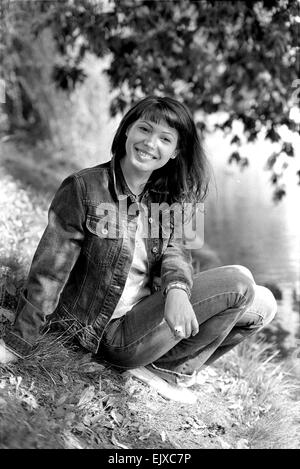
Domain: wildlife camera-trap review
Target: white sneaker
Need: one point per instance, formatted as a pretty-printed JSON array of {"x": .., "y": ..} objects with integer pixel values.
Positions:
[
  {"x": 178, "y": 379},
  {"x": 165, "y": 389}
]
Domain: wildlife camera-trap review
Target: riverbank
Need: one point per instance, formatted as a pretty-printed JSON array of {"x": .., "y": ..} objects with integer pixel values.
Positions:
[{"x": 61, "y": 398}]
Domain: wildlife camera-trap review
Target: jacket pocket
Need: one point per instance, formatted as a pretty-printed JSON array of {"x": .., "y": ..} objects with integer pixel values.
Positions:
[{"x": 103, "y": 239}]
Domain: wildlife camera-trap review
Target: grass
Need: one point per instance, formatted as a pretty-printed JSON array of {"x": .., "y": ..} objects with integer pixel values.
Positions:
[{"x": 62, "y": 398}]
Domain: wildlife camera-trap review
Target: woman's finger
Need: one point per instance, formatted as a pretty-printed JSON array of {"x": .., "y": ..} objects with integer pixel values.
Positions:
[
  {"x": 179, "y": 332},
  {"x": 188, "y": 329},
  {"x": 195, "y": 326}
]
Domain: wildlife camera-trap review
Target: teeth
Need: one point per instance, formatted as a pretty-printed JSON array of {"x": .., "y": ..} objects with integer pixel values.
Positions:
[{"x": 145, "y": 155}]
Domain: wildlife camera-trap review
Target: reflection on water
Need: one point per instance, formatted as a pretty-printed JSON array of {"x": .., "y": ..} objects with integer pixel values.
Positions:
[{"x": 246, "y": 227}]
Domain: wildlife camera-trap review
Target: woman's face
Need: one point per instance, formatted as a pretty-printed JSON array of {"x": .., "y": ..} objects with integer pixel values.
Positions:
[{"x": 149, "y": 145}]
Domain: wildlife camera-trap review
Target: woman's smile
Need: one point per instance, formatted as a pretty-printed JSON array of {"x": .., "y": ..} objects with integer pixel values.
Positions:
[{"x": 144, "y": 155}]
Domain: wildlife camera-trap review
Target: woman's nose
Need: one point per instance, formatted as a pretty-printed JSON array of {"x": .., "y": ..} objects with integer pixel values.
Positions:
[{"x": 150, "y": 141}]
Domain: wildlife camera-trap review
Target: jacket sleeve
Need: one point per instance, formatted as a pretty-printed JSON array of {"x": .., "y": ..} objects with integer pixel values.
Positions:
[
  {"x": 176, "y": 267},
  {"x": 52, "y": 263}
]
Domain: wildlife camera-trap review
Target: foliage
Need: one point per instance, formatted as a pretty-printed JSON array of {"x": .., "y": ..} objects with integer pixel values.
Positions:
[{"x": 237, "y": 57}]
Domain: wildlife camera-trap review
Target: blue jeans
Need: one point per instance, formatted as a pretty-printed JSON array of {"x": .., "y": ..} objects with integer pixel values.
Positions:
[{"x": 229, "y": 307}]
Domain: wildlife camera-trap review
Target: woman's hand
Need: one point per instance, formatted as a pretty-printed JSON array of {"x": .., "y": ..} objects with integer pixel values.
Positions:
[
  {"x": 180, "y": 315},
  {"x": 5, "y": 355}
]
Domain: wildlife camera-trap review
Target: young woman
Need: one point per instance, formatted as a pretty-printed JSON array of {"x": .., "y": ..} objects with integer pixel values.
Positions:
[{"x": 98, "y": 265}]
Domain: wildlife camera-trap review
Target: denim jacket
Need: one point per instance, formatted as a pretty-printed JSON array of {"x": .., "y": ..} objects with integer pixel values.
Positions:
[{"x": 77, "y": 275}]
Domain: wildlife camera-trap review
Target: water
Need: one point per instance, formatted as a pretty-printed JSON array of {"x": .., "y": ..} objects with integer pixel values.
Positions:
[{"x": 246, "y": 227}]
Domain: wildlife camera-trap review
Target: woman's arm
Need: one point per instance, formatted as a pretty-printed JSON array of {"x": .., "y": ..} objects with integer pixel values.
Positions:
[
  {"x": 53, "y": 261},
  {"x": 177, "y": 281},
  {"x": 176, "y": 266}
]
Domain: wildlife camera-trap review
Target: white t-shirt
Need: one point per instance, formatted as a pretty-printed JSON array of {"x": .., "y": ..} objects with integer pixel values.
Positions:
[{"x": 137, "y": 283}]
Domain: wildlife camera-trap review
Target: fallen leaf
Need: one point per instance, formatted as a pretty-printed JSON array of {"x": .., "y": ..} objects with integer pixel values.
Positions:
[
  {"x": 2, "y": 383},
  {"x": 6, "y": 313},
  {"x": 91, "y": 368},
  {"x": 108, "y": 402},
  {"x": 64, "y": 377},
  {"x": 86, "y": 396},
  {"x": 86, "y": 420},
  {"x": 71, "y": 441},
  {"x": 61, "y": 400},
  {"x": 11, "y": 289},
  {"x": 224, "y": 443},
  {"x": 145, "y": 436},
  {"x": 117, "y": 417},
  {"x": 242, "y": 444},
  {"x": 18, "y": 382},
  {"x": 117, "y": 443},
  {"x": 96, "y": 418},
  {"x": 29, "y": 400}
]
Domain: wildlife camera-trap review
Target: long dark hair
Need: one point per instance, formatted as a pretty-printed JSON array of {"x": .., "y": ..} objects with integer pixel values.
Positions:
[{"x": 184, "y": 178}]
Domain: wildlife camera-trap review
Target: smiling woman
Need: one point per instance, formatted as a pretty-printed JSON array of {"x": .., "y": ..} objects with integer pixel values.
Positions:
[{"x": 128, "y": 294}]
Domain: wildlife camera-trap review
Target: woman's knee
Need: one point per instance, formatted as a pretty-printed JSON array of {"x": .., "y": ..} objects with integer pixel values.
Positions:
[
  {"x": 237, "y": 269},
  {"x": 242, "y": 281},
  {"x": 265, "y": 301}
]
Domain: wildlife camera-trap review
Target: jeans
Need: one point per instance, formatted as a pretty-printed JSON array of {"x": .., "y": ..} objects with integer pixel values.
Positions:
[{"x": 229, "y": 307}]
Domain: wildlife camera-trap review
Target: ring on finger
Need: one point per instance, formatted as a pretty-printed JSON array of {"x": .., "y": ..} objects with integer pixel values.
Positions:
[{"x": 178, "y": 330}]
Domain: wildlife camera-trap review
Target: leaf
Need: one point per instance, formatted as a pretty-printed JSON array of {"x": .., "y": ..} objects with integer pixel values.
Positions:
[
  {"x": 92, "y": 367},
  {"x": 288, "y": 149},
  {"x": 29, "y": 400},
  {"x": 145, "y": 436},
  {"x": 71, "y": 441},
  {"x": 64, "y": 377},
  {"x": 117, "y": 417},
  {"x": 224, "y": 443},
  {"x": 61, "y": 400},
  {"x": 18, "y": 382},
  {"x": 242, "y": 444},
  {"x": 86, "y": 396},
  {"x": 235, "y": 156},
  {"x": 117, "y": 443},
  {"x": 2, "y": 383},
  {"x": 11, "y": 289},
  {"x": 6, "y": 313}
]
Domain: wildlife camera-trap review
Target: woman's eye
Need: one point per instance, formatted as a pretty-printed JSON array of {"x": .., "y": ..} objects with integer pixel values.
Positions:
[
  {"x": 166, "y": 139},
  {"x": 142, "y": 127}
]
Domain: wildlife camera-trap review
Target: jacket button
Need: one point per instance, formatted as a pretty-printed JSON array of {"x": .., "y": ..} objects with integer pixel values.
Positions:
[
  {"x": 154, "y": 249},
  {"x": 104, "y": 231},
  {"x": 150, "y": 219}
]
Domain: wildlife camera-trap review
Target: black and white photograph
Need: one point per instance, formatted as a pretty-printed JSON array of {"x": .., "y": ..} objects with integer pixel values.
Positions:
[{"x": 149, "y": 227}]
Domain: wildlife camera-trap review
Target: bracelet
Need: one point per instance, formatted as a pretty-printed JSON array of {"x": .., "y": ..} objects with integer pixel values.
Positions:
[{"x": 180, "y": 286}]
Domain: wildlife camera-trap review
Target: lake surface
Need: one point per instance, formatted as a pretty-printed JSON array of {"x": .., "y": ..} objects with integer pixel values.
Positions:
[{"x": 246, "y": 227}]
